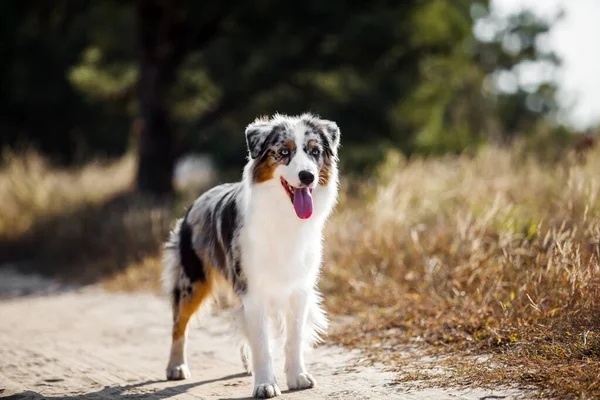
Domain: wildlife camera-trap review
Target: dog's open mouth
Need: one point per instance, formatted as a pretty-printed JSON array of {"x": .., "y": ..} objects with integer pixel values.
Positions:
[{"x": 301, "y": 198}]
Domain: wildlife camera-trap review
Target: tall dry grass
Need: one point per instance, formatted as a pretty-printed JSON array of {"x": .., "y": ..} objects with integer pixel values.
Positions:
[
  {"x": 78, "y": 224},
  {"x": 489, "y": 254},
  {"x": 493, "y": 254},
  {"x": 31, "y": 188}
]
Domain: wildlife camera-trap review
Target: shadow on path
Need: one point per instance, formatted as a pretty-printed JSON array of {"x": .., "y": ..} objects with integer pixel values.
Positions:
[
  {"x": 120, "y": 392},
  {"x": 83, "y": 245}
]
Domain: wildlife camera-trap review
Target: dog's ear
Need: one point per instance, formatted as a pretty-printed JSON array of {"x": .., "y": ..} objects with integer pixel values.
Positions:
[
  {"x": 256, "y": 137},
  {"x": 332, "y": 133}
]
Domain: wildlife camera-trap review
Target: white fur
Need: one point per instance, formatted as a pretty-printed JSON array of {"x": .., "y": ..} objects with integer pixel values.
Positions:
[
  {"x": 282, "y": 255},
  {"x": 281, "y": 258}
]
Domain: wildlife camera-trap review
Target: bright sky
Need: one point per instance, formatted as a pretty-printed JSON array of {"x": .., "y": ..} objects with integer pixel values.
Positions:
[{"x": 575, "y": 39}]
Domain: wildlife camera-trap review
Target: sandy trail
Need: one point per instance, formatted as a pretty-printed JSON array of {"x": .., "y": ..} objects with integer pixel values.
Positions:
[{"x": 89, "y": 344}]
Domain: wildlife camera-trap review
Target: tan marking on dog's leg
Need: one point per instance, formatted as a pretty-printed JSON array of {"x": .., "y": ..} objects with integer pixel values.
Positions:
[
  {"x": 188, "y": 306},
  {"x": 182, "y": 312}
]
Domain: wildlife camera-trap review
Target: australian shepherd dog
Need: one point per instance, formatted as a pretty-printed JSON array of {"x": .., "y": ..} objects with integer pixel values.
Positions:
[{"x": 262, "y": 238}]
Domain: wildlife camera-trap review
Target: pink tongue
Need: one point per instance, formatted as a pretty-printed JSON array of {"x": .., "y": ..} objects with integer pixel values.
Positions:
[{"x": 303, "y": 204}]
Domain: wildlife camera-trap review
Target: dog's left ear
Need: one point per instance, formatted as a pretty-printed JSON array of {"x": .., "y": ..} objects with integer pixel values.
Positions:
[
  {"x": 332, "y": 132},
  {"x": 256, "y": 137}
]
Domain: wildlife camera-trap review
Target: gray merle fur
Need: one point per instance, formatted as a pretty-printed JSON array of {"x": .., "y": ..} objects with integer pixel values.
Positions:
[{"x": 209, "y": 234}]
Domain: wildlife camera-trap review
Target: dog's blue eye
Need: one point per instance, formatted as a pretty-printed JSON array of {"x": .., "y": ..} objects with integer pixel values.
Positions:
[
  {"x": 284, "y": 152},
  {"x": 315, "y": 152}
]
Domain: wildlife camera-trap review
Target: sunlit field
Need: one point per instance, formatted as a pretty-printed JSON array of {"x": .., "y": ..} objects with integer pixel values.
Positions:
[
  {"x": 493, "y": 254},
  {"x": 496, "y": 254}
]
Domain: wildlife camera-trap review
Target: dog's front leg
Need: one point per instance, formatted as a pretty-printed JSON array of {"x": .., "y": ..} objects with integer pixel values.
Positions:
[
  {"x": 295, "y": 370},
  {"x": 256, "y": 320}
]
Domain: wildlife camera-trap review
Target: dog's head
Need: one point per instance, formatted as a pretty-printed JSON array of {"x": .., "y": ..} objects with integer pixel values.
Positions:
[{"x": 299, "y": 152}]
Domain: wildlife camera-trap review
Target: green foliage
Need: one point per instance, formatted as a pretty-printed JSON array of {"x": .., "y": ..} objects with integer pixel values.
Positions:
[{"x": 410, "y": 75}]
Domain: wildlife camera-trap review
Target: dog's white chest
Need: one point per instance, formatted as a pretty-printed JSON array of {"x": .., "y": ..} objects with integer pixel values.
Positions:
[{"x": 280, "y": 252}]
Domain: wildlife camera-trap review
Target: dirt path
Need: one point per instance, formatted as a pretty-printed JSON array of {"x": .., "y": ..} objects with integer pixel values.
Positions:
[{"x": 89, "y": 344}]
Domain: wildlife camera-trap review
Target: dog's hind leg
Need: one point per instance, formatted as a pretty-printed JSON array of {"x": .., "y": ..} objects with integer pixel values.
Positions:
[
  {"x": 246, "y": 359},
  {"x": 186, "y": 301}
]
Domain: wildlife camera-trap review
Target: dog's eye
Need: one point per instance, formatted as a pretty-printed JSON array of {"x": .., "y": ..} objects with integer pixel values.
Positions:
[
  {"x": 315, "y": 152},
  {"x": 284, "y": 152}
]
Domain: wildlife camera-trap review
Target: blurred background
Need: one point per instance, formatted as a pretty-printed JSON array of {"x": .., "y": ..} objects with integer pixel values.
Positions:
[
  {"x": 87, "y": 79},
  {"x": 108, "y": 106}
]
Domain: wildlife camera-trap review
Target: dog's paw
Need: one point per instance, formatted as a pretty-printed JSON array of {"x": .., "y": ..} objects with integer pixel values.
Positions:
[
  {"x": 178, "y": 372},
  {"x": 301, "y": 381},
  {"x": 266, "y": 391}
]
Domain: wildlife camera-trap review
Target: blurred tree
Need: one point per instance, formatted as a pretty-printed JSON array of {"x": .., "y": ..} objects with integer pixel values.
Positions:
[
  {"x": 427, "y": 76},
  {"x": 161, "y": 47},
  {"x": 519, "y": 69},
  {"x": 39, "y": 42},
  {"x": 477, "y": 93}
]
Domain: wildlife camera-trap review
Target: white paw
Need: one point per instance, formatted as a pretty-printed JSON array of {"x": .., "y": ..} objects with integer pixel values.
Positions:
[
  {"x": 301, "y": 381},
  {"x": 266, "y": 391},
  {"x": 178, "y": 372}
]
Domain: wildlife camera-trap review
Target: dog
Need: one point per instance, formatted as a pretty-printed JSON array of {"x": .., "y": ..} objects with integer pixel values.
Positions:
[{"x": 262, "y": 237}]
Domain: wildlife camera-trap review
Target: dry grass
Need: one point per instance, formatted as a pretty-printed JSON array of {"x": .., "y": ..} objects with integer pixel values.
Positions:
[
  {"x": 32, "y": 189},
  {"x": 495, "y": 254},
  {"x": 492, "y": 254},
  {"x": 78, "y": 225}
]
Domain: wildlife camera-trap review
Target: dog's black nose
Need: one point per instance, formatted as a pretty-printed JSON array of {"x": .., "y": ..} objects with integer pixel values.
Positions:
[{"x": 306, "y": 177}]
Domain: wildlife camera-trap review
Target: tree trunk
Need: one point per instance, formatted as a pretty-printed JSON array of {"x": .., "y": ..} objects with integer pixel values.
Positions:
[{"x": 161, "y": 47}]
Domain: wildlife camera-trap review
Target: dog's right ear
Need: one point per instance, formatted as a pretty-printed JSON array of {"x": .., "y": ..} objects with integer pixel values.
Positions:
[{"x": 256, "y": 137}]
